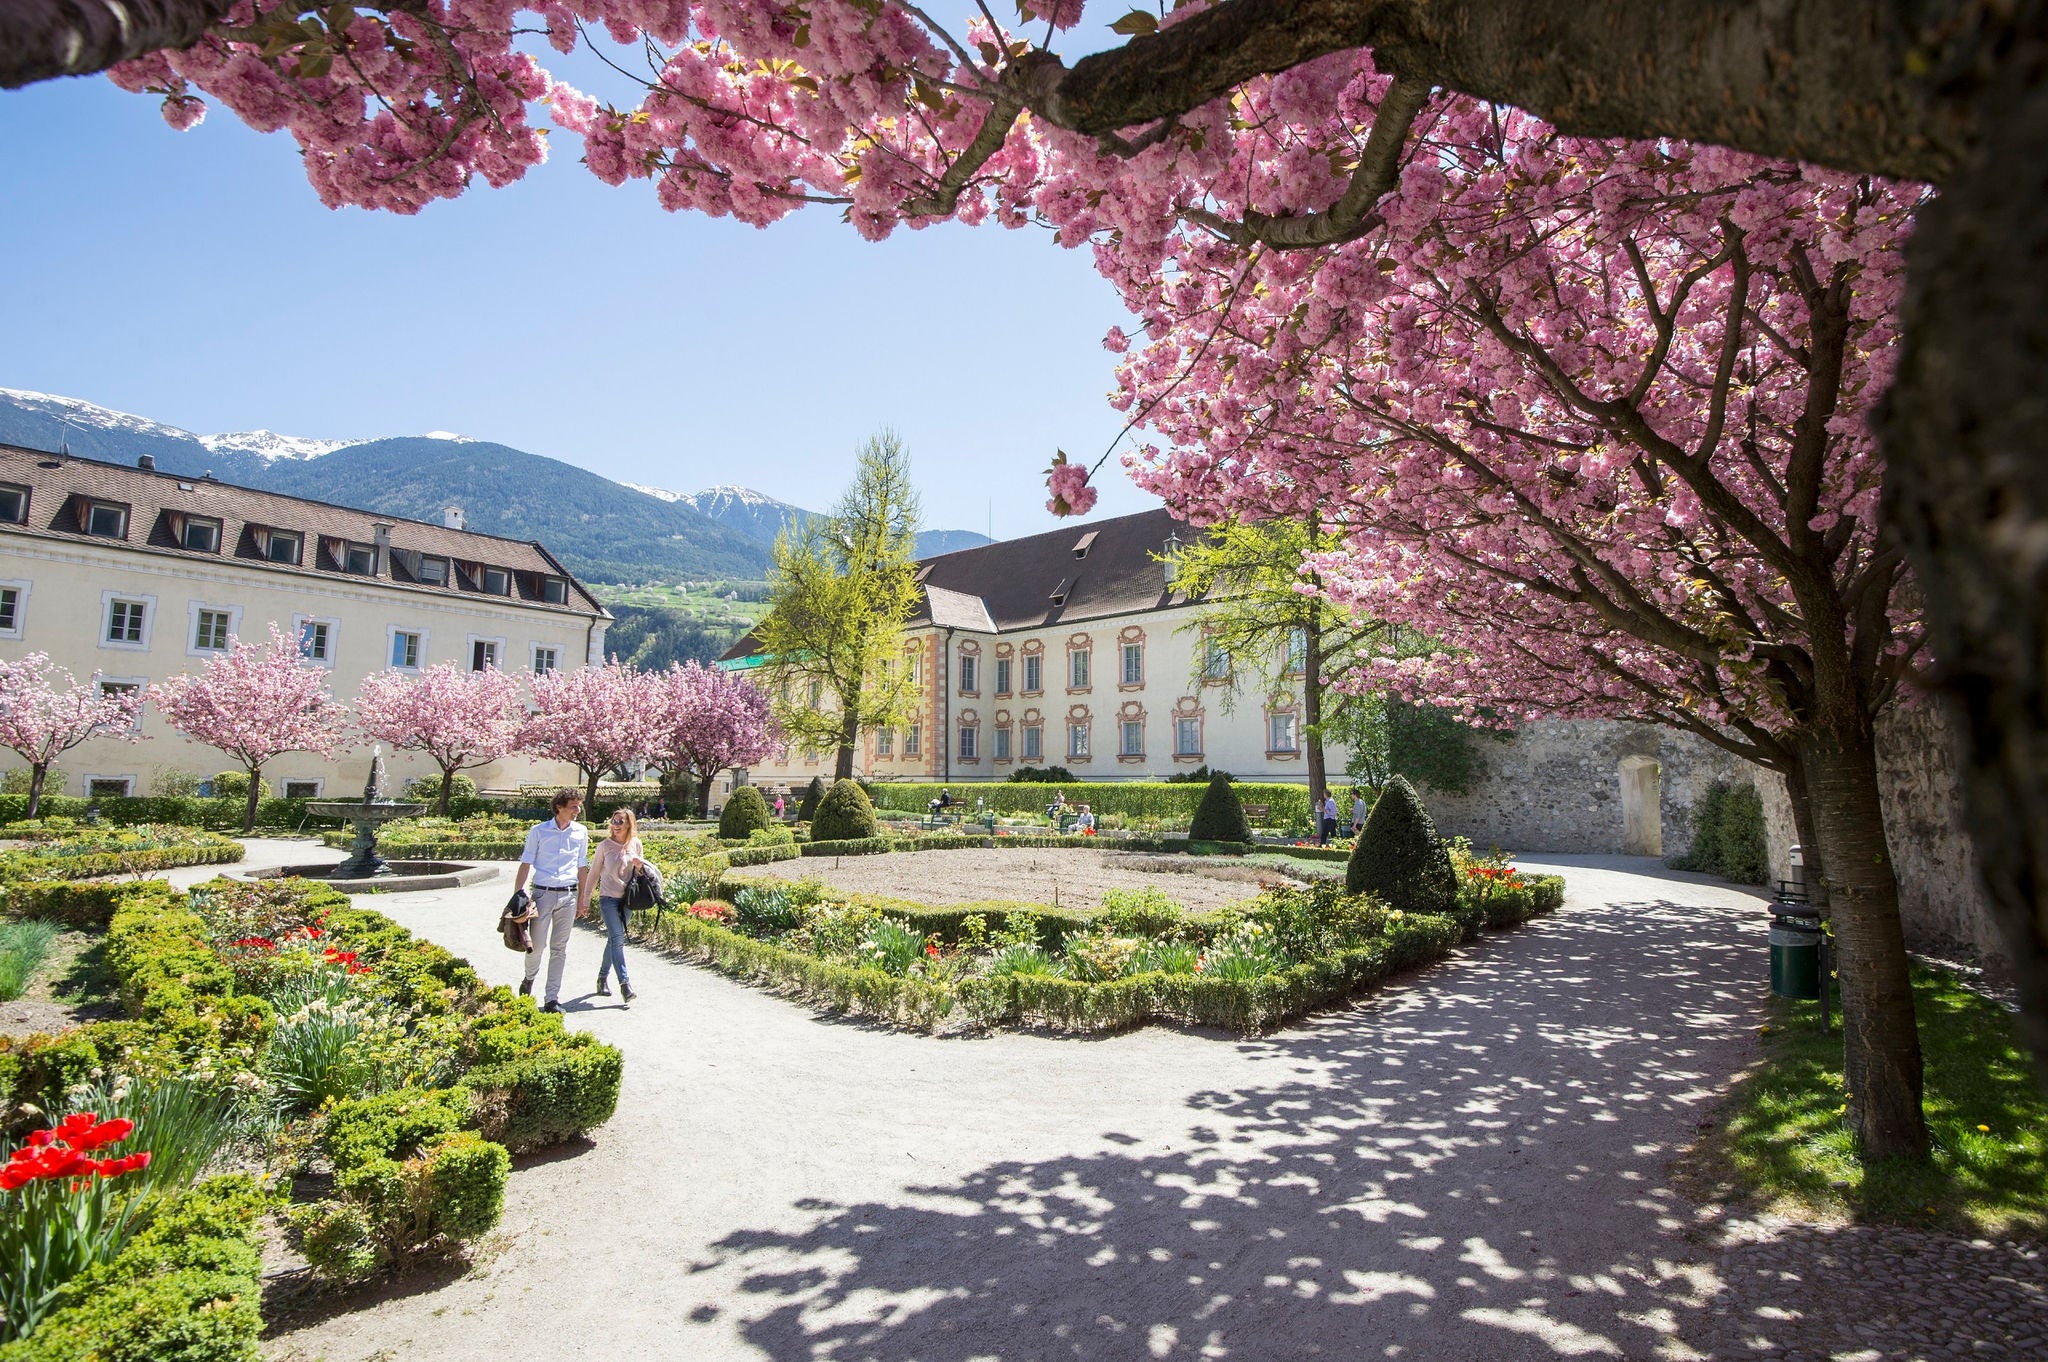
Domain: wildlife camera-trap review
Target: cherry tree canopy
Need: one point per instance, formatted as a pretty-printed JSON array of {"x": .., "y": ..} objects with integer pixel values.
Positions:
[
  {"x": 460, "y": 718},
  {"x": 707, "y": 720},
  {"x": 255, "y": 703},
  {"x": 42, "y": 719},
  {"x": 594, "y": 718}
]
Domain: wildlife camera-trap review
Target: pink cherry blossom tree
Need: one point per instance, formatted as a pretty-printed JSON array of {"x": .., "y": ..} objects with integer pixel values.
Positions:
[
  {"x": 255, "y": 704},
  {"x": 42, "y": 718},
  {"x": 594, "y": 718},
  {"x": 1595, "y": 416},
  {"x": 708, "y": 720},
  {"x": 459, "y": 718}
]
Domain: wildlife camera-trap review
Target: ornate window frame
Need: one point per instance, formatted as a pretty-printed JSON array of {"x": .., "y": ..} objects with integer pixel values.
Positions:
[
  {"x": 1275, "y": 709},
  {"x": 1079, "y": 716},
  {"x": 1034, "y": 719},
  {"x": 1129, "y": 712},
  {"x": 1001, "y": 726},
  {"x": 1129, "y": 635},
  {"x": 967, "y": 721},
  {"x": 1083, "y": 644},
  {"x": 1188, "y": 707},
  {"x": 968, "y": 650}
]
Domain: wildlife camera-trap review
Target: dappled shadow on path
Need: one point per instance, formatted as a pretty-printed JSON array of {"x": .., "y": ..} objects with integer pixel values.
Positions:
[{"x": 1470, "y": 1165}]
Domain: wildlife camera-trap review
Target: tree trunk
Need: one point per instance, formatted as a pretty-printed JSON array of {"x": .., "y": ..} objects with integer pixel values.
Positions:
[
  {"x": 447, "y": 788},
  {"x": 40, "y": 39},
  {"x": 849, "y": 733},
  {"x": 1880, "y": 1043},
  {"x": 703, "y": 793},
  {"x": 1965, "y": 435},
  {"x": 1312, "y": 716},
  {"x": 590, "y": 775},
  {"x": 1814, "y": 867},
  {"x": 255, "y": 795},
  {"x": 37, "y": 774}
]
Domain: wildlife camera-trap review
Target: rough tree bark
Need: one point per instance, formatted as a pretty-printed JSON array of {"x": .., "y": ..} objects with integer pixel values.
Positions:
[
  {"x": 255, "y": 794},
  {"x": 1312, "y": 714},
  {"x": 43, "y": 39},
  {"x": 849, "y": 734},
  {"x": 37, "y": 774}
]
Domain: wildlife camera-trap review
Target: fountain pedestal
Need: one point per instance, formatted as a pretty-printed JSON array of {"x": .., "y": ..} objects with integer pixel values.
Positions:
[{"x": 363, "y": 860}]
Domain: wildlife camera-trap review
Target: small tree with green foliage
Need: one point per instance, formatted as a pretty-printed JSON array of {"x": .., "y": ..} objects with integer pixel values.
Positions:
[
  {"x": 1728, "y": 835},
  {"x": 745, "y": 811},
  {"x": 807, "y": 808},
  {"x": 845, "y": 814},
  {"x": 1220, "y": 815},
  {"x": 1399, "y": 858}
]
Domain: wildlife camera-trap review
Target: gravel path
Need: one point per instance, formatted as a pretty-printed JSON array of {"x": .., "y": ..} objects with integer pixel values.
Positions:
[
  {"x": 1069, "y": 878},
  {"x": 1471, "y": 1165}
]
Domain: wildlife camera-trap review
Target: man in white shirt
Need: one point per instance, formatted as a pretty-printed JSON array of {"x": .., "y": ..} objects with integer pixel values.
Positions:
[{"x": 557, "y": 859}]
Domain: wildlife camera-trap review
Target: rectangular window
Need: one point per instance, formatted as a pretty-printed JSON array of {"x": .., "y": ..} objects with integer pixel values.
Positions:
[
  {"x": 1187, "y": 737},
  {"x": 112, "y": 688},
  {"x": 434, "y": 571},
  {"x": 210, "y": 630},
  {"x": 913, "y": 739},
  {"x": 10, "y": 610},
  {"x": 1215, "y": 660},
  {"x": 1297, "y": 651},
  {"x": 1134, "y": 664},
  {"x": 302, "y": 789},
  {"x": 1077, "y": 739},
  {"x": 497, "y": 581},
  {"x": 405, "y": 649},
  {"x": 316, "y": 641},
  {"x": 282, "y": 547},
  {"x": 913, "y": 668},
  {"x": 1002, "y": 676},
  {"x": 969, "y": 668},
  {"x": 1034, "y": 742},
  {"x": 885, "y": 742},
  {"x": 483, "y": 653},
  {"x": 202, "y": 535},
  {"x": 554, "y": 590},
  {"x": 1002, "y": 752},
  {"x": 1280, "y": 733},
  {"x": 124, "y": 621},
  {"x": 1133, "y": 738},
  {"x": 545, "y": 660},
  {"x": 1033, "y": 667},
  {"x": 1077, "y": 670},
  {"x": 360, "y": 559},
  {"x": 13, "y": 504},
  {"x": 108, "y": 787},
  {"x": 106, "y": 519},
  {"x": 967, "y": 752}
]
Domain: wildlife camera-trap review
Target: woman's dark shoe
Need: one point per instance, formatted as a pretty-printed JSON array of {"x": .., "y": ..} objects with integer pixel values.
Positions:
[{"x": 604, "y": 990}]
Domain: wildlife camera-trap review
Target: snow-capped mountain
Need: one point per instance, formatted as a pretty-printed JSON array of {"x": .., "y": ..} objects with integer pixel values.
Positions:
[
  {"x": 658, "y": 493},
  {"x": 269, "y": 446}
]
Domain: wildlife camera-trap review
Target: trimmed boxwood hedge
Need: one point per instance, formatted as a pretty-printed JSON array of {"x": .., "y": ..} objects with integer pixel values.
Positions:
[
  {"x": 1288, "y": 804},
  {"x": 184, "y": 809},
  {"x": 198, "y": 848},
  {"x": 745, "y": 811}
]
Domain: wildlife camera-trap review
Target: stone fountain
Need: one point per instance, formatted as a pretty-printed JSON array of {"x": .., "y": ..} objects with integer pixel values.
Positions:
[
  {"x": 368, "y": 814},
  {"x": 364, "y": 869}
]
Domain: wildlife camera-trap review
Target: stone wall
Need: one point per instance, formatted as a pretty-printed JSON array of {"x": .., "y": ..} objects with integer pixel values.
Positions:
[{"x": 1562, "y": 784}]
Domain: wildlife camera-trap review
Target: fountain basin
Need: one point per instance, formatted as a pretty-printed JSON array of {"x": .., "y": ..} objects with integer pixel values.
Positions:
[{"x": 402, "y": 876}]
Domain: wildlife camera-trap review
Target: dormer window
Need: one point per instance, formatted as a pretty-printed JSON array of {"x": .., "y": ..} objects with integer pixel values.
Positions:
[
  {"x": 434, "y": 571},
  {"x": 360, "y": 559},
  {"x": 1059, "y": 593},
  {"x": 201, "y": 535},
  {"x": 1083, "y": 544},
  {"x": 281, "y": 547},
  {"x": 554, "y": 591},
  {"x": 13, "y": 504},
  {"x": 497, "y": 581},
  {"x": 107, "y": 519}
]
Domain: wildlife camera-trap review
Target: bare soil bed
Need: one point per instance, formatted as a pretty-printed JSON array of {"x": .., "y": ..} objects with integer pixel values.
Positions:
[{"x": 1070, "y": 879}]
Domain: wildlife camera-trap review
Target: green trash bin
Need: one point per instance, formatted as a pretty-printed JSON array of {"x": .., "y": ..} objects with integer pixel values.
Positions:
[{"x": 1795, "y": 955}]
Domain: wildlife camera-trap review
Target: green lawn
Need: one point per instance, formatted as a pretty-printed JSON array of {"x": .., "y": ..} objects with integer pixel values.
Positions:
[{"x": 1986, "y": 1114}]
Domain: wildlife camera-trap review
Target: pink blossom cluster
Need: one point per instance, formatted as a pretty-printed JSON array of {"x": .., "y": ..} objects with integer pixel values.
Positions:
[
  {"x": 707, "y": 720},
  {"x": 459, "y": 718},
  {"x": 594, "y": 718},
  {"x": 255, "y": 703},
  {"x": 42, "y": 716},
  {"x": 1068, "y": 483}
]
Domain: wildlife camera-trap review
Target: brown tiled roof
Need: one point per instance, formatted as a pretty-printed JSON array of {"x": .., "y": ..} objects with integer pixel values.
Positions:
[
  {"x": 1087, "y": 571},
  {"x": 158, "y": 505}
]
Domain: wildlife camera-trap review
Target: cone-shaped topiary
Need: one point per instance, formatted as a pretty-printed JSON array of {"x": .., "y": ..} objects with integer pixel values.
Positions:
[
  {"x": 808, "y": 808},
  {"x": 844, "y": 814},
  {"x": 1220, "y": 815},
  {"x": 745, "y": 811},
  {"x": 1399, "y": 857}
]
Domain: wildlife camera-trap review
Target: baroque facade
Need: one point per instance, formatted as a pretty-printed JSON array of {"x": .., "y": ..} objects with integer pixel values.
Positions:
[
  {"x": 131, "y": 576},
  {"x": 1069, "y": 648}
]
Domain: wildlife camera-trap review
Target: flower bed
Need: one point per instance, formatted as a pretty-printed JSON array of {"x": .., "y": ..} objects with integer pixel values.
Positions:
[
  {"x": 1287, "y": 805},
  {"x": 1139, "y": 958},
  {"x": 379, "y": 1058},
  {"x": 63, "y": 853},
  {"x": 186, "y": 810}
]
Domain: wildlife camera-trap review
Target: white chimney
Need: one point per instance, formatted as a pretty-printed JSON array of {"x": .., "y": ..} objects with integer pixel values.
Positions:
[
  {"x": 452, "y": 517},
  {"x": 381, "y": 535}
]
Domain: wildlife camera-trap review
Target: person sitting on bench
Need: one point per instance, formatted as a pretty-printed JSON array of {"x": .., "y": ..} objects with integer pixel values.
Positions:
[{"x": 943, "y": 802}]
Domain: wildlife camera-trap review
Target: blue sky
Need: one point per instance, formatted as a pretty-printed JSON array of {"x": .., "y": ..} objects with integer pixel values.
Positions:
[{"x": 195, "y": 279}]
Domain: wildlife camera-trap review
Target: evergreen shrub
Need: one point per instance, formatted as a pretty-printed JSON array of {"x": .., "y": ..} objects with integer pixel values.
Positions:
[
  {"x": 1042, "y": 775},
  {"x": 807, "y": 809},
  {"x": 1728, "y": 835},
  {"x": 745, "y": 812},
  {"x": 844, "y": 814},
  {"x": 1399, "y": 857},
  {"x": 1220, "y": 815}
]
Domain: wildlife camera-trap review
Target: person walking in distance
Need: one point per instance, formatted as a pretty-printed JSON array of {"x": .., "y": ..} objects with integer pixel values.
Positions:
[
  {"x": 615, "y": 860},
  {"x": 1358, "y": 812},
  {"x": 557, "y": 859}
]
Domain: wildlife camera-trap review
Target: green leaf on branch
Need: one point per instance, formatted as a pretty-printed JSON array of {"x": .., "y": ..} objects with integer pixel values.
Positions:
[{"x": 1136, "y": 24}]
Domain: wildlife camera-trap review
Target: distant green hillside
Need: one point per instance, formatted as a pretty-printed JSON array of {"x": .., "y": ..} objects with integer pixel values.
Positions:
[
  {"x": 601, "y": 531},
  {"x": 651, "y": 637}
]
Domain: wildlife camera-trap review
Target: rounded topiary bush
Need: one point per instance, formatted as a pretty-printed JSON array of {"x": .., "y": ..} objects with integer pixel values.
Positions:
[
  {"x": 844, "y": 814},
  {"x": 808, "y": 808},
  {"x": 1399, "y": 857},
  {"x": 1220, "y": 815},
  {"x": 745, "y": 811}
]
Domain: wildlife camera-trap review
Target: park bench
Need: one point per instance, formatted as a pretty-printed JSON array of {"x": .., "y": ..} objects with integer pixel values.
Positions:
[
  {"x": 950, "y": 818},
  {"x": 1256, "y": 814}
]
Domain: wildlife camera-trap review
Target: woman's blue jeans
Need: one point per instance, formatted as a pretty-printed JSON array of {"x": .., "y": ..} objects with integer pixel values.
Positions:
[{"x": 614, "y": 940}]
